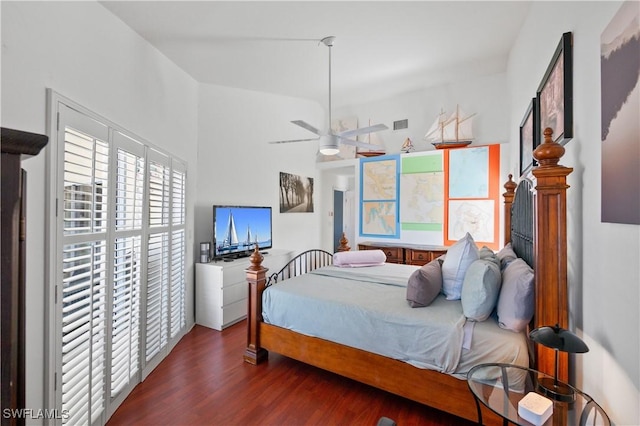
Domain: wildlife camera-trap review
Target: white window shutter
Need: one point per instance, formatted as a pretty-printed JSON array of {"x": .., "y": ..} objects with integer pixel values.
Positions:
[
  {"x": 178, "y": 248},
  {"x": 120, "y": 263},
  {"x": 83, "y": 289},
  {"x": 158, "y": 256},
  {"x": 125, "y": 303}
]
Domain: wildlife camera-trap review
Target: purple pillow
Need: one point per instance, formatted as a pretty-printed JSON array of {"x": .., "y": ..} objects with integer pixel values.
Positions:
[
  {"x": 516, "y": 303},
  {"x": 506, "y": 256},
  {"x": 425, "y": 284}
]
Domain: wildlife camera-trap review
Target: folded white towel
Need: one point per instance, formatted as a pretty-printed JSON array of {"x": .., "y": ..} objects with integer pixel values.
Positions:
[{"x": 356, "y": 259}]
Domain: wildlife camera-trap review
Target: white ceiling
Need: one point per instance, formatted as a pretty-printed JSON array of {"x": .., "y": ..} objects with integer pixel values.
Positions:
[{"x": 382, "y": 48}]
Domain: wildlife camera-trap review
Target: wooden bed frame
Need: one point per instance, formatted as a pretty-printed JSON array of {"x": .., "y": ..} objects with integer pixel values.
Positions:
[{"x": 544, "y": 233}]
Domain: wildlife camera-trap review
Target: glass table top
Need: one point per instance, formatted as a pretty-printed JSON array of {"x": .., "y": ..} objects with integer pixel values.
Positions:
[{"x": 501, "y": 386}]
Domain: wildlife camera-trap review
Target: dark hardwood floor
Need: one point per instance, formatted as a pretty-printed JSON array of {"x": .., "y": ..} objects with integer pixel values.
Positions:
[{"x": 204, "y": 381}]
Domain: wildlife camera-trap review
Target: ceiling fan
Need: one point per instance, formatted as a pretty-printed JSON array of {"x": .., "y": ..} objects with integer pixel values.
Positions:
[{"x": 329, "y": 140}]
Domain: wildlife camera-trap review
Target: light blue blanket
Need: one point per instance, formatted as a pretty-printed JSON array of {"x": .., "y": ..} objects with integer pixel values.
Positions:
[{"x": 366, "y": 308}]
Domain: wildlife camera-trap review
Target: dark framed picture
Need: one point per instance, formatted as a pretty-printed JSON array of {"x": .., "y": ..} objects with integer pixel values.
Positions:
[
  {"x": 555, "y": 94},
  {"x": 528, "y": 137}
]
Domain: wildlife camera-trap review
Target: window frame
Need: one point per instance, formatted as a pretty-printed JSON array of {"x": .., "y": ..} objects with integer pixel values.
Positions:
[{"x": 55, "y": 240}]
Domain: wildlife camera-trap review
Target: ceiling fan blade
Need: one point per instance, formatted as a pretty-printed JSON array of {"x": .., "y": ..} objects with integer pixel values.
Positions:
[
  {"x": 295, "y": 140},
  {"x": 359, "y": 144},
  {"x": 307, "y": 126},
  {"x": 362, "y": 130}
]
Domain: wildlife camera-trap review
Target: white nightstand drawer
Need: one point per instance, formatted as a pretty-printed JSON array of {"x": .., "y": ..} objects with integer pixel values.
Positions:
[
  {"x": 235, "y": 275},
  {"x": 234, "y": 312},
  {"x": 222, "y": 288},
  {"x": 234, "y": 293}
]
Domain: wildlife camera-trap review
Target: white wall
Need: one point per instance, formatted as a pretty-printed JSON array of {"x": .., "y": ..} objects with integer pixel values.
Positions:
[
  {"x": 603, "y": 258},
  {"x": 83, "y": 52},
  {"x": 484, "y": 95},
  {"x": 237, "y": 166}
]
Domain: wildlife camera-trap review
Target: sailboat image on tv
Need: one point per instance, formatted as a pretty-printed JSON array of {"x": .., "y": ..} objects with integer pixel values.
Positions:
[
  {"x": 237, "y": 230},
  {"x": 454, "y": 131},
  {"x": 231, "y": 242}
]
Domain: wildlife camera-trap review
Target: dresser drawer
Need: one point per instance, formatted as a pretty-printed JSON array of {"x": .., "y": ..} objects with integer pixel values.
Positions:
[
  {"x": 437, "y": 253},
  {"x": 234, "y": 293},
  {"x": 422, "y": 257},
  {"x": 418, "y": 257},
  {"x": 233, "y": 313},
  {"x": 394, "y": 254},
  {"x": 234, "y": 275}
]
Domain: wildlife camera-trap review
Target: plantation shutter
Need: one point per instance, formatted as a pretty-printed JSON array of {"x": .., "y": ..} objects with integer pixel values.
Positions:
[
  {"x": 158, "y": 260},
  {"x": 125, "y": 324},
  {"x": 178, "y": 248},
  {"x": 118, "y": 263},
  {"x": 83, "y": 288}
]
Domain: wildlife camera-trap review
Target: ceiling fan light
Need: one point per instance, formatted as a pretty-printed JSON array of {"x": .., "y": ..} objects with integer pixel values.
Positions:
[
  {"x": 329, "y": 151},
  {"x": 329, "y": 145}
]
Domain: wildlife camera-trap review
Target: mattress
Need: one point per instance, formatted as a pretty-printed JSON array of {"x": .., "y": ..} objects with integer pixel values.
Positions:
[{"x": 366, "y": 308}]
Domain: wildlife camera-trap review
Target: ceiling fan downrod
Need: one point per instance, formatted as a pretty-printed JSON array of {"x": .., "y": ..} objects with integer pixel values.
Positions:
[{"x": 328, "y": 41}]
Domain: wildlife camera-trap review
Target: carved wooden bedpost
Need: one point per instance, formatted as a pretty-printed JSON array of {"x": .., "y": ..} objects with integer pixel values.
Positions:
[
  {"x": 510, "y": 186},
  {"x": 550, "y": 187},
  {"x": 344, "y": 243},
  {"x": 256, "y": 278}
]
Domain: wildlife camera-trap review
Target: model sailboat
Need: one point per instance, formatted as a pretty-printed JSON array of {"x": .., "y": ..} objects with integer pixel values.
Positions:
[
  {"x": 372, "y": 139},
  {"x": 407, "y": 146},
  {"x": 455, "y": 131}
]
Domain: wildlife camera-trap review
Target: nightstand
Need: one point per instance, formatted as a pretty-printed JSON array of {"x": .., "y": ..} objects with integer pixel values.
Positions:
[{"x": 501, "y": 386}]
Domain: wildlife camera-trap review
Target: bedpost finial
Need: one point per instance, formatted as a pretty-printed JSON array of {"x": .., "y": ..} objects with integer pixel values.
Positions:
[
  {"x": 549, "y": 152},
  {"x": 344, "y": 243},
  {"x": 256, "y": 260},
  {"x": 510, "y": 186}
]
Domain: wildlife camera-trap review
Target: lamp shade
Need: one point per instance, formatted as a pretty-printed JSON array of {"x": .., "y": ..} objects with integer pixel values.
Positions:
[
  {"x": 558, "y": 338},
  {"x": 329, "y": 145}
]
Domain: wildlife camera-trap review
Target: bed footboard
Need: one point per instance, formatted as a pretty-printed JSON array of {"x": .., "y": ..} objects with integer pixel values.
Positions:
[
  {"x": 301, "y": 264},
  {"x": 258, "y": 281}
]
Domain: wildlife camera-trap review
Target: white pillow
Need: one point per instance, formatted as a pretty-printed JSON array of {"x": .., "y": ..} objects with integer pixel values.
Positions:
[
  {"x": 458, "y": 258},
  {"x": 516, "y": 303},
  {"x": 360, "y": 258},
  {"x": 480, "y": 289}
]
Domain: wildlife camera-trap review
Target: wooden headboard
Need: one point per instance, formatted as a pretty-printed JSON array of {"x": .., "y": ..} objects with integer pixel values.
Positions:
[
  {"x": 522, "y": 222},
  {"x": 536, "y": 226}
]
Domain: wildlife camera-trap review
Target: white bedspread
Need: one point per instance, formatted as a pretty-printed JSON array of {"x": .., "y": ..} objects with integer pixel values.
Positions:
[{"x": 366, "y": 308}]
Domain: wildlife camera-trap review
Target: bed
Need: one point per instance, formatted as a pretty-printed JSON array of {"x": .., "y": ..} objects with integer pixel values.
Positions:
[{"x": 535, "y": 227}]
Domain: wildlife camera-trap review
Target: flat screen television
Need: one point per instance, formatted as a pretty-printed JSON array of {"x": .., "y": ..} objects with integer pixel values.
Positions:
[{"x": 237, "y": 230}]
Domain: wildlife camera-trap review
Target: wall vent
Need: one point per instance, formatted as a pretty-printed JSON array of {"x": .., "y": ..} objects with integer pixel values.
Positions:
[{"x": 401, "y": 124}]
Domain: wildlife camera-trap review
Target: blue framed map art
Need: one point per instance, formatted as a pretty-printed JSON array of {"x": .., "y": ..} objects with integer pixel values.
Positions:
[{"x": 379, "y": 192}]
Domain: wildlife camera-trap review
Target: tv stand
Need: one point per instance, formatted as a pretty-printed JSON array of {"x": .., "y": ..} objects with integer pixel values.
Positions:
[
  {"x": 234, "y": 256},
  {"x": 222, "y": 291}
]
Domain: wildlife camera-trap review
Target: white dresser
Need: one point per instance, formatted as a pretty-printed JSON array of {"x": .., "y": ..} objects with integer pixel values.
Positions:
[{"x": 221, "y": 288}]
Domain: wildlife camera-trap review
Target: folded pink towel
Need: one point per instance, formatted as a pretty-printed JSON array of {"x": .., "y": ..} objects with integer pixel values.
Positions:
[{"x": 356, "y": 259}]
